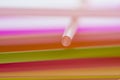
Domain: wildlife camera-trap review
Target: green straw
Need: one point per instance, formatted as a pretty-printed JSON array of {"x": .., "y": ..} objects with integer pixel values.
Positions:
[
  {"x": 65, "y": 78},
  {"x": 102, "y": 52}
]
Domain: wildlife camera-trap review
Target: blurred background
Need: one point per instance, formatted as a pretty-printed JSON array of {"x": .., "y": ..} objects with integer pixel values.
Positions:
[{"x": 31, "y": 33}]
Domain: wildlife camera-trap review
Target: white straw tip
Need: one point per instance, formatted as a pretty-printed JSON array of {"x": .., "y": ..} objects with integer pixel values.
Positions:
[{"x": 66, "y": 41}]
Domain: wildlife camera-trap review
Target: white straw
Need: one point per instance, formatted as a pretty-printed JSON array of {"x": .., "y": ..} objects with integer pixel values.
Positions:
[
  {"x": 71, "y": 29},
  {"x": 70, "y": 32}
]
